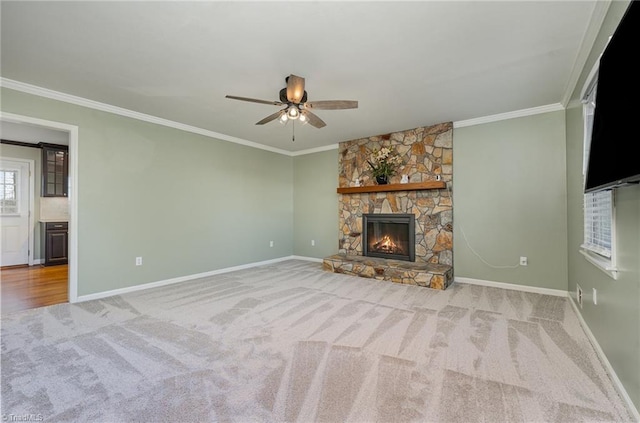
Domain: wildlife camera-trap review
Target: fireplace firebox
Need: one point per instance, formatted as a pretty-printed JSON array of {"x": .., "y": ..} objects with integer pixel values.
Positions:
[{"x": 391, "y": 236}]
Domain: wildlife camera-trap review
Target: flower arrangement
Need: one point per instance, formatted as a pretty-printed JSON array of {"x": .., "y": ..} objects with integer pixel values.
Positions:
[{"x": 383, "y": 163}]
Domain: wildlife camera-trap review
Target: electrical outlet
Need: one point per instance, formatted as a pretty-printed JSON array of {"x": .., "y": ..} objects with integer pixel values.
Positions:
[
  {"x": 579, "y": 295},
  {"x": 138, "y": 261},
  {"x": 523, "y": 261},
  {"x": 595, "y": 296},
  {"x": 313, "y": 242},
  {"x": 270, "y": 243}
]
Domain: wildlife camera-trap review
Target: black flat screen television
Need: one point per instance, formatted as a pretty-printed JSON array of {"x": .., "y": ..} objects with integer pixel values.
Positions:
[{"x": 614, "y": 159}]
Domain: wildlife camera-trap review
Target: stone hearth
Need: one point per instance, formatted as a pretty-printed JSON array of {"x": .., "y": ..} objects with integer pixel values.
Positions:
[{"x": 430, "y": 275}]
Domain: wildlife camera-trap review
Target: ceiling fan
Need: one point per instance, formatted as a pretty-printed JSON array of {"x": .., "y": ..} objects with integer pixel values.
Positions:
[{"x": 294, "y": 98}]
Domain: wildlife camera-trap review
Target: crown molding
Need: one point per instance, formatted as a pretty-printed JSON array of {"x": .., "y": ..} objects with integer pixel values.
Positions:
[
  {"x": 509, "y": 115},
  {"x": 469, "y": 122},
  {"x": 314, "y": 150},
  {"x": 80, "y": 101}
]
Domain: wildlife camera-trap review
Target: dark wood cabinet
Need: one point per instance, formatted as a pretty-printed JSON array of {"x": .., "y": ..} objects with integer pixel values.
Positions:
[
  {"x": 55, "y": 243},
  {"x": 55, "y": 170}
]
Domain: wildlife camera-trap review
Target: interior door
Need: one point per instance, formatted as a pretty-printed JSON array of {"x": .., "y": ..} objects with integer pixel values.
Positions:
[{"x": 14, "y": 212}]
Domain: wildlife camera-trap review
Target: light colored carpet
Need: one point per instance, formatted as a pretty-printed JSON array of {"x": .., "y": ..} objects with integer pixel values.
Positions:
[{"x": 290, "y": 342}]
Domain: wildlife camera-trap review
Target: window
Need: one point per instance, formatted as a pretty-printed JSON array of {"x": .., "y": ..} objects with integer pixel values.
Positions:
[
  {"x": 597, "y": 222},
  {"x": 9, "y": 191},
  {"x": 599, "y": 242}
]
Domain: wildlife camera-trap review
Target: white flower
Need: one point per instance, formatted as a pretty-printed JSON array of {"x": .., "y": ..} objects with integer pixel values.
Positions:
[{"x": 383, "y": 162}]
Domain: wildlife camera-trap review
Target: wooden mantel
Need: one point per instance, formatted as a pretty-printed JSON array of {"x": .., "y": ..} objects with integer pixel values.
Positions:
[{"x": 394, "y": 187}]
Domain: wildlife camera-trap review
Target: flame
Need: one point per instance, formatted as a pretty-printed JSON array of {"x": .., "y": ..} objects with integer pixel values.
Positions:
[
  {"x": 386, "y": 245},
  {"x": 386, "y": 242}
]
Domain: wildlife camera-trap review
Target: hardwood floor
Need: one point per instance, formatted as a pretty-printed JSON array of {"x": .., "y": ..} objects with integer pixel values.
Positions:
[{"x": 28, "y": 287}]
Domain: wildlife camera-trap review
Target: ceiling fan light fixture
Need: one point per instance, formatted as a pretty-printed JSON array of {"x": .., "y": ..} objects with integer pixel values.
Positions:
[
  {"x": 283, "y": 118},
  {"x": 293, "y": 112},
  {"x": 303, "y": 118}
]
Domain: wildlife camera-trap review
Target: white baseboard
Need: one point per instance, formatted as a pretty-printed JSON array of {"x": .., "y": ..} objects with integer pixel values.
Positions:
[
  {"x": 305, "y": 258},
  {"x": 156, "y": 284},
  {"x": 525, "y": 288},
  {"x": 607, "y": 365}
]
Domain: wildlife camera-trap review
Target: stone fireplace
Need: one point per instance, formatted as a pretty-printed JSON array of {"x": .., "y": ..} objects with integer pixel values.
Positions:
[{"x": 427, "y": 159}]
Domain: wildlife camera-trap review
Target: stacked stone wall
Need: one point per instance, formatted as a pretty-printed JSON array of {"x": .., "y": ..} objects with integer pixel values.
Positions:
[{"x": 427, "y": 153}]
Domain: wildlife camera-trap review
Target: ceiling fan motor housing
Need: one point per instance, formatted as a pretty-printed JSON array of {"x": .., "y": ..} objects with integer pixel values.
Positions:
[{"x": 284, "y": 99}]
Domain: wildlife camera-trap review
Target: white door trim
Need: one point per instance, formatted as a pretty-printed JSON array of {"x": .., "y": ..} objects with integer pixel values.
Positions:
[
  {"x": 32, "y": 198},
  {"x": 73, "y": 189}
]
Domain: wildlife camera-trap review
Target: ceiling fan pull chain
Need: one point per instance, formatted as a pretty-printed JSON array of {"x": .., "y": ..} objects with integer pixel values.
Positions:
[{"x": 293, "y": 136}]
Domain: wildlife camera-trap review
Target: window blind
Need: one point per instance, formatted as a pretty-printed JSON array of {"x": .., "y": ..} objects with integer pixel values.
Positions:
[{"x": 597, "y": 222}]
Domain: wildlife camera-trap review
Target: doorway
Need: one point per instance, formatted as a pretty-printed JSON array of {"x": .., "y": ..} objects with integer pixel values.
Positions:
[
  {"x": 34, "y": 285},
  {"x": 16, "y": 211}
]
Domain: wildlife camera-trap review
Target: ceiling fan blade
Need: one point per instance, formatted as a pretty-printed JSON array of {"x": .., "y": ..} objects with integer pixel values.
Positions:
[
  {"x": 255, "y": 100},
  {"x": 314, "y": 120},
  {"x": 295, "y": 88},
  {"x": 269, "y": 118},
  {"x": 331, "y": 104}
]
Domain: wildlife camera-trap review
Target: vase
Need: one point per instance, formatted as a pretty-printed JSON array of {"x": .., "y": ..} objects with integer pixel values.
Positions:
[{"x": 382, "y": 179}]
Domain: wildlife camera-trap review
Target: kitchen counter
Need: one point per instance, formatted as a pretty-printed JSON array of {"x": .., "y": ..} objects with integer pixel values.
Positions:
[{"x": 62, "y": 219}]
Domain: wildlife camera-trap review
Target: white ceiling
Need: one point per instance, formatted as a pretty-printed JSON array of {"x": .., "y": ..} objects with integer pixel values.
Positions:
[{"x": 409, "y": 64}]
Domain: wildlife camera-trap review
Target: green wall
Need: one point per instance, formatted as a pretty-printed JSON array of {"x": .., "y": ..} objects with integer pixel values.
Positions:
[
  {"x": 509, "y": 200},
  {"x": 184, "y": 202},
  {"x": 315, "y": 204},
  {"x": 615, "y": 320},
  {"x": 35, "y": 154}
]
